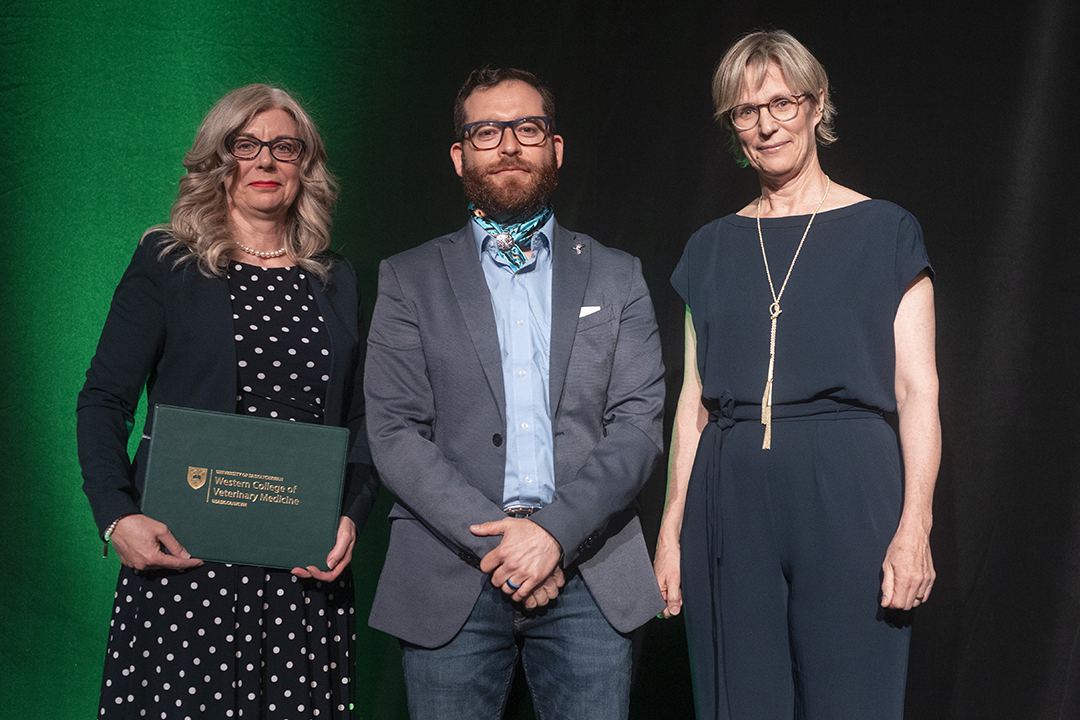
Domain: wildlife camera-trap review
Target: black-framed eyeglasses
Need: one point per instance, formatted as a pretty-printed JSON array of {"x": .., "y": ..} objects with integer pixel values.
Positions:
[
  {"x": 246, "y": 147},
  {"x": 783, "y": 108},
  {"x": 487, "y": 134}
]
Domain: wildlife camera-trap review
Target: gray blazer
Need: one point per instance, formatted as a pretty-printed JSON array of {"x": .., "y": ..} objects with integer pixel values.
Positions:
[{"x": 436, "y": 418}]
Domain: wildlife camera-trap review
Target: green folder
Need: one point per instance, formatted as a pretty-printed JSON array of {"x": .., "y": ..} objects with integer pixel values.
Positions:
[{"x": 243, "y": 489}]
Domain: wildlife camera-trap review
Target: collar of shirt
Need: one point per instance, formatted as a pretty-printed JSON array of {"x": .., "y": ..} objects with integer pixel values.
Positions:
[{"x": 485, "y": 245}]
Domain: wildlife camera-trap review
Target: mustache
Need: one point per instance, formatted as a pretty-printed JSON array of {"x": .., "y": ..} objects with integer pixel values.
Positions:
[{"x": 509, "y": 164}]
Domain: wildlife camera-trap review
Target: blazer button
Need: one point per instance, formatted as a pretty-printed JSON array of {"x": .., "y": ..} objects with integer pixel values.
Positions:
[{"x": 496, "y": 440}]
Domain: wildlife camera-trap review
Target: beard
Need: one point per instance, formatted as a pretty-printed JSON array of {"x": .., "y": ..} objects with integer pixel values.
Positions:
[{"x": 513, "y": 197}]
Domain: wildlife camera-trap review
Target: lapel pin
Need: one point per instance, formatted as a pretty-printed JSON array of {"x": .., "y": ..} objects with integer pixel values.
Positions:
[{"x": 577, "y": 248}]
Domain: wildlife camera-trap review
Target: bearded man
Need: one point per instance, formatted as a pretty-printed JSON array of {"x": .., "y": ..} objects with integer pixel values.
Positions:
[{"x": 515, "y": 399}]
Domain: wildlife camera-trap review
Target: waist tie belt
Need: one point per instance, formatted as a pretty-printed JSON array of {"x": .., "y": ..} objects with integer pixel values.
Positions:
[{"x": 724, "y": 412}]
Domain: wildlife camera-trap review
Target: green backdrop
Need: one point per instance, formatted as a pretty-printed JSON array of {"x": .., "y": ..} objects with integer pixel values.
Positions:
[{"x": 100, "y": 100}]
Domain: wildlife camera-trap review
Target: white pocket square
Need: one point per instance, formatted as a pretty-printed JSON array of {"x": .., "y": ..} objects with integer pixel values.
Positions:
[{"x": 588, "y": 310}]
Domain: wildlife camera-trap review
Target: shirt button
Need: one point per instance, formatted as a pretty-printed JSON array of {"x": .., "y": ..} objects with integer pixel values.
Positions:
[
  {"x": 528, "y": 478},
  {"x": 524, "y": 426},
  {"x": 520, "y": 322},
  {"x": 521, "y": 373}
]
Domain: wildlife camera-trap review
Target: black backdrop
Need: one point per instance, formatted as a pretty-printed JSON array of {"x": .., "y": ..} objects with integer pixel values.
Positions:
[{"x": 966, "y": 115}]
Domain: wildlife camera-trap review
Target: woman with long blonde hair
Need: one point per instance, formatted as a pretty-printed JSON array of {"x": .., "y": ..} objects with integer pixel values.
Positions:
[{"x": 237, "y": 305}]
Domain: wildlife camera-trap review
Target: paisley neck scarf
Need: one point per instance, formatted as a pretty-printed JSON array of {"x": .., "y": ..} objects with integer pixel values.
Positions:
[{"x": 512, "y": 239}]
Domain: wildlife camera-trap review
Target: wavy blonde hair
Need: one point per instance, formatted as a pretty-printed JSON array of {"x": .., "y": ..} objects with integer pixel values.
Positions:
[
  {"x": 802, "y": 72},
  {"x": 199, "y": 226}
]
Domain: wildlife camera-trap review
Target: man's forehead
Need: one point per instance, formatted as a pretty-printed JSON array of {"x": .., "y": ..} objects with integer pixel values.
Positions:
[{"x": 508, "y": 100}]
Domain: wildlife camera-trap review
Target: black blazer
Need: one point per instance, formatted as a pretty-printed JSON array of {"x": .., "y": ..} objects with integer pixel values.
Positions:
[{"x": 170, "y": 330}]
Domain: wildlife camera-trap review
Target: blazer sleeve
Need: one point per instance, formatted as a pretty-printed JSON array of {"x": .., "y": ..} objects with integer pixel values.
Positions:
[
  {"x": 632, "y": 439},
  {"x": 361, "y": 482},
  {"x": 130, "y": 345},
  {"x": 401, "y": 421}
]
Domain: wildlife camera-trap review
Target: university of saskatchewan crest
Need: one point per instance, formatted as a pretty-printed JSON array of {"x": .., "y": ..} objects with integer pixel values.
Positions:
[{"x": 196, "y": 477}]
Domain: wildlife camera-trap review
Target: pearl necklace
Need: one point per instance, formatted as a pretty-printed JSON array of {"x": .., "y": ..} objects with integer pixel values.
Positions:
[
  {"x": 774, "y": 313},
  {"x": 259, "y": 253}
]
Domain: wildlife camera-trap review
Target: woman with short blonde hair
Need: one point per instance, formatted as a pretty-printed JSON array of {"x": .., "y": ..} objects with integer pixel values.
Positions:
[{"x": 795, "y": 534}]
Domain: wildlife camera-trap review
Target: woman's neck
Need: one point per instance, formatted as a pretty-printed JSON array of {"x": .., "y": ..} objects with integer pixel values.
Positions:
[
  {"x": 798, "y": 195},
  {"x": 254, "y": 236}
]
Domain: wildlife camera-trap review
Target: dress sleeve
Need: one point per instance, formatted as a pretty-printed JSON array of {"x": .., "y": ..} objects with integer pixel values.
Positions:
[
  {"x": 911, "y": 257},
  {"x": 680, "y": 279},
  {"x": 687, "y": 282}
]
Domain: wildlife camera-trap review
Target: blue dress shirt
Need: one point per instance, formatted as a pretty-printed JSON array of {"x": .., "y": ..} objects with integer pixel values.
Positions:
[{"x": 522, "y": 304}]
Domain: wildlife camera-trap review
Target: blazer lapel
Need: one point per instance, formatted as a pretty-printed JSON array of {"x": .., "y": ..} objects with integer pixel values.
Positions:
[
  {"x": 571, "y": 259},
  {"x": 471, "y": 292},
  {"x": 213, "y": 315}
]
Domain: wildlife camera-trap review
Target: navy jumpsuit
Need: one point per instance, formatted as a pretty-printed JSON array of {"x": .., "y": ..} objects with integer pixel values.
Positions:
[{"x": 782, "y": 548}]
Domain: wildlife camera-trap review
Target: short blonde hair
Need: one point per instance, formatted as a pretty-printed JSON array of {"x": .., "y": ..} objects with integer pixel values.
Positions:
[
  {"x": 199, "y": 225},
  {"x": 802, "y": 72}
]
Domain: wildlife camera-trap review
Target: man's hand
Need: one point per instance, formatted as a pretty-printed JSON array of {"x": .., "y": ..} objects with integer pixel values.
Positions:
[
  {"x": 527, "y": 556},
  {"x": 546, "y": 592}
]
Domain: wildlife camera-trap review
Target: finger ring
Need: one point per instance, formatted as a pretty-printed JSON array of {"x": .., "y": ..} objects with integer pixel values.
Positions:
[{"x": 512, "y": 584}]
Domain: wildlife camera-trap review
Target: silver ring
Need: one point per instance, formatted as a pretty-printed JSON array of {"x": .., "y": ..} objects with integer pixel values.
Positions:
[{"x": 512, "y": 584}]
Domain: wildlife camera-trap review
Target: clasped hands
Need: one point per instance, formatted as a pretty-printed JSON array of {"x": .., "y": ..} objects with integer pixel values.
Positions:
[{"x": 528, "y": 556}]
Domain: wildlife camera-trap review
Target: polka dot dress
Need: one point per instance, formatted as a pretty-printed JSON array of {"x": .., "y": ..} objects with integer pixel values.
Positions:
[
  {"x": 282, "y": 349},
  {"x": 231, "y": 641}
]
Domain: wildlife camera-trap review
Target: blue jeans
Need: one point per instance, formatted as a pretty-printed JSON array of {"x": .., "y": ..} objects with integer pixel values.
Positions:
[{"x": 577, "y": 666}]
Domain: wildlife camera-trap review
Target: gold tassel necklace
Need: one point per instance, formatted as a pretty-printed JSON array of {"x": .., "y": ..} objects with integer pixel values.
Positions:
[{"x": 774, "y": 313}]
